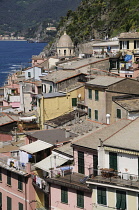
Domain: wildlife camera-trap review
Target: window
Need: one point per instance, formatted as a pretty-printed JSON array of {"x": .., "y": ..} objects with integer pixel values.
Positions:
[
  {"x": 0, "y": 201},
  {"x": 89, "y": 93},
  {"x": 136, "y": 44},
  {"x": 20, "y": 206},
  {"x": 96, "y": 95},
  {"x": 0, "y": 174},
  {"x": 119, "y": 113},
  {"x": 50, "y": 90},
  {"x": 20, "y": 182},
  {"x": 120, "y": 199},
  {"x": 29, "y": 74},
  {"x": 81, "y": 162},
  {"x": 138, "y": 201},
  {"x": 9, "y": 177},
  {"x": 80, "y": 199},
  {"x": 113, "y": 160},
  {"x": 9, "y": 203},
  {"x": 124, "y": 45},
  {"x": 44, "y": 88},
  {"x": 64, "y": 52},
  {"x": 64, "y": 194},
  {"x": 89, "y": 113},
  {"x": 96, "y": 115},
  {"x": 101, "y": 196},
  {"x": 74, "y": 101}
]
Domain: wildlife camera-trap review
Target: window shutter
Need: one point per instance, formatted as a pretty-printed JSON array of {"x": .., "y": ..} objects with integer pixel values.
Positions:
[
  {"x": 9, "y": 177},
  {"x": 119, "y": 113},
  {"x": 104, "y": 197},
  {"x": 127, "y": 44},
  {"x": 9, "y": 203},
  {"x": 89, "y": 113},
  {"x": 20, "y": 206},
  {"x": 89, "y": 93},
  {"x": 120, "y": 45},
  {"x": 135, "y": 44},
  {"x": 0, "y": 200},
  {"x": 96, "y": 114},
  {"x": 113, "y": 160},
  {"x": 74, "y": 101},
  {"x": 99, "y": 200},
  {"x": 64, "y": 194},
  {"x": 20, "y": 182},
  {"x": 0, "y": 174},
  {"x": 81, "y": 162},
  {"x": 50, "y": 91},
  {"x": 96, "y": 95},
  {"x": 80, "y": 199},
  {"x": 118, "y": 197},
  {"x": 123, "y": 200}
]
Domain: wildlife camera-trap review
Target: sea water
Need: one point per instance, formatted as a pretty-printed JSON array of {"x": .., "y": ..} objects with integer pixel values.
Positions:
[{"x": 15, "y": 55}]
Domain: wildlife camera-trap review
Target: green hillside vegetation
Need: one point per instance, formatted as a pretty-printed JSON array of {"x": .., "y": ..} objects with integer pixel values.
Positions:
[
  {"x": 16, "y": 15},
  {"x": 100, "y": 18}
]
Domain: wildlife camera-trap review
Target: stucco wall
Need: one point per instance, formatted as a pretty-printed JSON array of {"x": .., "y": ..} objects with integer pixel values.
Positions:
[
  {"x": 24, "y": 196},
  {"x": 131, "y": 199},
  {"x": 72, "y": 199},
  {"x": 99, "y": 105}
]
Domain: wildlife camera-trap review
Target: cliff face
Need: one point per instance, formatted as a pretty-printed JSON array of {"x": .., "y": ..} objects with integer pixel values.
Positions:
[{"x": 100, "y": 19}]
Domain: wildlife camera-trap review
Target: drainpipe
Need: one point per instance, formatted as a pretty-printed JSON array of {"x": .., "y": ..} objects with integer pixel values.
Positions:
[{"x": 25, "y": 193}]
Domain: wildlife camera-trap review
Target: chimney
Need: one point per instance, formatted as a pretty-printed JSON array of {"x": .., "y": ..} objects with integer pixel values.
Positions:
[{"x": 67, "y": 133}]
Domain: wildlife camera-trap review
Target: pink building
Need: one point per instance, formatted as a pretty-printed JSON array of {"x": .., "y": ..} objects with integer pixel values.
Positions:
[{"x": 16, "y": 190}]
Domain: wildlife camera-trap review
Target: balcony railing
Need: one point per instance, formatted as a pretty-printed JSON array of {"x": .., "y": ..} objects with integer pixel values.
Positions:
[
  {"x": 112, "y": 177},
  {"x": 40, "y": 183}
]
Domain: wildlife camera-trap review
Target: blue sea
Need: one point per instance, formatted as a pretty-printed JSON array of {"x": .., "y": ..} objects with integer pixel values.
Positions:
[{"x": 16, "y": 54}]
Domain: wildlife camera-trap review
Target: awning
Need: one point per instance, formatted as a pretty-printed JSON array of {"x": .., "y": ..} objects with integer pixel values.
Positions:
[
  {"x": 27, "y": 119},
  {"x": 35, "y": 147},
  {"x": 50, "y": 162}
]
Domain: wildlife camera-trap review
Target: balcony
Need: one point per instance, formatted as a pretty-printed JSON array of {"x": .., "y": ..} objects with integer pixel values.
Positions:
[
  {"x": 70, "y": 179},
  {"x": 40, "y": 183},
  {"x": 12, "y": 164},
  {"x": 114, "y": 178}
]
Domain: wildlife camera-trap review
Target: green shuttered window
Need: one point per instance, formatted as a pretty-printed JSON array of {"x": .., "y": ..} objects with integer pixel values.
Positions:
[
  {"x": 20, "y": 206},
  {"x": 50, "y": 90},
  {"x": 113, "y": 160},
  {"x": 64, "y": 194},
  {"x": 89, "y": 93},
  {"x": 96, "y": 95},
  {"x": 9, "y": 203},
  {"x": 0, "y": 174},
  {"x": 89, "y": 113},
  {"x": 101, "y": 195},
  {"x": 74, "y": 101},
  {"x": 96, "y": 115},
  {"x": 119, "y": 113},
  {"x": 20, "y": 182},
  {"x": 80, "y": 199},
  {"x": 0, "y": 201},
  {"x": 81, "y": 162},
  {"x": 120, "y": 200},
  {"x": 9, "y": 177}
]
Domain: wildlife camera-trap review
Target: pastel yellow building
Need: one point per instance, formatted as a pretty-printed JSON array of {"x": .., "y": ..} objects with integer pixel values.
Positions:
[
  {"x": 129, "y": 44},
  {"x": 52, "y": 105}
]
